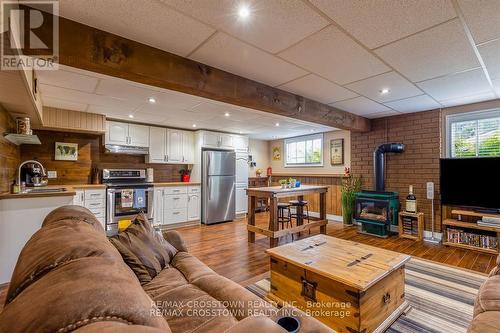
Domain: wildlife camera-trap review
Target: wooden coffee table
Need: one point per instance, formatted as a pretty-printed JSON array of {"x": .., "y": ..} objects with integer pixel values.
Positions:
[{"x": 349, "y": 286}]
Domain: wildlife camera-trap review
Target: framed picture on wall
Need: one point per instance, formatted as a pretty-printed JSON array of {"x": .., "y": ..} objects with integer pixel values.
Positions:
[
  {"x": 337, "y": 152},
  {"x": 276, "y": 154},
  {"x": 66, "y": 151}
]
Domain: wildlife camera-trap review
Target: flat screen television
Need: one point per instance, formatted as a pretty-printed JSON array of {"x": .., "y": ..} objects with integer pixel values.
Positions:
[{"x": 471, "y": 182}]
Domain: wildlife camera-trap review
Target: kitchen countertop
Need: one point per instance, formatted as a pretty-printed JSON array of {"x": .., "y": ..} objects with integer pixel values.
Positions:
[{"x": 71, "y": 190}]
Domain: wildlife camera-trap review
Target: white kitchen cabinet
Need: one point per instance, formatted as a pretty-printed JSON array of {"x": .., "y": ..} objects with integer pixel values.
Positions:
[
  {"x": 116, "y": 133},
  {"x": 125, "y": 134},
  {"x": 94, "y": 200},
  {"x": 226, "y": 141},
  {"x": 174, "y": 146},
  {"x": 240, "y": 143},
  {"x": 210, "y": 139},
  {"x": 157, "y": 145},
  {"x": 158, "y": 206},
  {"x": 194, "y": 203},
  {"x": 241, "y": 199},
  {"x": 188, "y": 147},
  {"x": 175, "y": 208},
  {"x": 138, "y": 135}
]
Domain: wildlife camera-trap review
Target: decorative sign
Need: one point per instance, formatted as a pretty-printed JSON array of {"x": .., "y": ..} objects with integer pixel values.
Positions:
[
  {"x": 337, "y": 152},
  {"x": 66, "y": 151},
  {"x": 276, "y": 154}
]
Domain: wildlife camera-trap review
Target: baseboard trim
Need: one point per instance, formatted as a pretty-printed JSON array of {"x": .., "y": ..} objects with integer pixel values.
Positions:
[{"x": 428, "y": 234}]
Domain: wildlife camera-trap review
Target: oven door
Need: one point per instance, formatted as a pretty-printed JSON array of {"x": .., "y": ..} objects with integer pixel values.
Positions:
[{"x": 123, "y": 204}]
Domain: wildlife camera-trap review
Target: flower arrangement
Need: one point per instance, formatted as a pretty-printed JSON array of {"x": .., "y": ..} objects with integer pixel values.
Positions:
[
  {"x": 350, "y": 185},
  {"x": 185, "y": 175}
]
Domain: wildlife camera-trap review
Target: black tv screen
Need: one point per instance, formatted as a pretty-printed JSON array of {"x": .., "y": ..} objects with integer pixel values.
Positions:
[{"x": 471, "y": 182}]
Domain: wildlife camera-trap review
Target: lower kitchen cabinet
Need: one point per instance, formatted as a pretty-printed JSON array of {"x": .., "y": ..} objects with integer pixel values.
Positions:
[
  {"x": 94, "y": 200},
  {"x": 241, "y": 199},
  {"x": 177, "y": 204}
]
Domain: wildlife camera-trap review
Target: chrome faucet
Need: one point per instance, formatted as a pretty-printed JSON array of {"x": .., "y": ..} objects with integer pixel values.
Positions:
[{"x": 27, "y": 162}]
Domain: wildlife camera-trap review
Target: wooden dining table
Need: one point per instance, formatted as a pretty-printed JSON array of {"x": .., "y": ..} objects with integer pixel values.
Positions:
[{"x": 274, "y": 193}]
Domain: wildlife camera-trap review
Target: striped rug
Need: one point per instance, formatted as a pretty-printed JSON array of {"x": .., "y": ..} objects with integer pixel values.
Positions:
[{"x": 441, "y": 298}]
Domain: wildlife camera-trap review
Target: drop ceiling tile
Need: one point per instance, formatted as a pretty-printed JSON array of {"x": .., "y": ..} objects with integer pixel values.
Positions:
[
  {"x": 360, "y": 106},
  {"x": 232, "y": 55},
  {"x": 486, "y": 96},
  {"x": 61, "y": 78},
  {"x": 382, "y": 114},
  {"x": 438, "y": 51},
  {"x": 398, "y": 87},
  {"x": 375, "y": 22},
  {"x": 414, "y": 104},
  {"x": 111, "y": 110},
  {"x": 77, "y": 96},
  {"x": 62, "y": 104},
  {"x": 496, "y": 85},
  {"x": 457, "y": 85},
  {"x": 490, "y": 52},
  {"x": 272, "y": 25},
  {"x": 123, "y": 90},
  {"x": 318, "y": 89},
  {"x": 145, "y": 21},
  {"x": 335, "y": 56},
  {"x": 148, "y": 118},
  {"x": 482, "y": 18}
]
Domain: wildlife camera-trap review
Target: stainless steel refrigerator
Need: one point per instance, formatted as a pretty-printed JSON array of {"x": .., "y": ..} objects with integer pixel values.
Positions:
[{"x": 219, "y": 182}]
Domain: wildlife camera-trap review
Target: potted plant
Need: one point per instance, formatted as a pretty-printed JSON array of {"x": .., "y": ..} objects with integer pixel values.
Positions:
[
  {"x": 291, "y": 182},
  {"x": 283, "y": 183},
  {"x": 185, "y": 175},
  {"x": 350, "y": 185}
]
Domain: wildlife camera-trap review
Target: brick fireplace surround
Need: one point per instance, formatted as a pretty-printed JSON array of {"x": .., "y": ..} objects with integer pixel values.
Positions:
[{"x": 420, "y": 132}]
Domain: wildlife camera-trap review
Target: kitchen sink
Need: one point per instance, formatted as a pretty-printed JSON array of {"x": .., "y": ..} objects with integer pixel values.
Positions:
[{"x": 46, "y": 190}]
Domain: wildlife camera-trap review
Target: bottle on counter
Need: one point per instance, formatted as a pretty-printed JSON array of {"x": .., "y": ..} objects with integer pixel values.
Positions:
[
  {"x": 411, "y": 201},
  {"x": 15, "y": 187},
  {"x": 23, "y": 187}
]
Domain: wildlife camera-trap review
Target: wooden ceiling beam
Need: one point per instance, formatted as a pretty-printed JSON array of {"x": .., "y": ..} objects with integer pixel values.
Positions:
[{"x": 98, "y": 51}]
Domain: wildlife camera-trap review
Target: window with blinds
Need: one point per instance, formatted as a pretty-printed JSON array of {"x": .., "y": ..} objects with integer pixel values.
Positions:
[
  {"x": 304, "y": 151},
  {"x": 474, "y": 135}
]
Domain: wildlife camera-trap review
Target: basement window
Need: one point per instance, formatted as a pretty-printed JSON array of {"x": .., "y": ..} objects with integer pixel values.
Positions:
[
  {"x": 304, "y": 151},
  {"x": 473, "y": 134}
]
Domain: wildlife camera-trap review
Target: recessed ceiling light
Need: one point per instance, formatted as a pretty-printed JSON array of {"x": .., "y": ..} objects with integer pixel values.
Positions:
[
  {"x": 384, "y": 91},
  {"x": 194, "y": 125},
  {"x": 131, "y": 116},
  {"x": 244, "y": 11},
  {"x": 277, "y": 124},
  {"x": 152, "y": 100},
  {"x": 227, "y": 114}
]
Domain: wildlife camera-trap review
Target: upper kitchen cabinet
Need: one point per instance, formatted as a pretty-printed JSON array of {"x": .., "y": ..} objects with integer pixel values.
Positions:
[
  {"x": 223, "y": 141},
  {"x": 157, "y": 145},
  {"x": 240, "y": 143},
  {"x": 125, "y": 134},
  {"x": 174, "y": 146},
  {"x": 170, "y": 146}
]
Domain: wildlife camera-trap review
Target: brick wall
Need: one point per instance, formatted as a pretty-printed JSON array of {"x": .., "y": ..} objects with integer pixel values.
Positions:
[{"x": 420, "y": 132}]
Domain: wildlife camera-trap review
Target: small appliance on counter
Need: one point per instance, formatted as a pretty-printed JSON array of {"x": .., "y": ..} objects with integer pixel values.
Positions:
[
  {"x": 32, "y": 173},
  {"x": 127, "y": 194},
  {"x": 150, "y": 175}
]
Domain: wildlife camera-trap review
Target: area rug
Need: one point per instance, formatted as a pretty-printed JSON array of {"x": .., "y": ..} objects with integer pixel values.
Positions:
[{"x": 441, "y": 298}]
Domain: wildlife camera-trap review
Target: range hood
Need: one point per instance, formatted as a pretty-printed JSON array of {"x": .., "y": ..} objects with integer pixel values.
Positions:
[{"x": 130, "y": 150}]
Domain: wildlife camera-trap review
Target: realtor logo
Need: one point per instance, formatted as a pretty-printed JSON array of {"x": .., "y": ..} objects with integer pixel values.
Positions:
[{"x": 30, "y": 34}]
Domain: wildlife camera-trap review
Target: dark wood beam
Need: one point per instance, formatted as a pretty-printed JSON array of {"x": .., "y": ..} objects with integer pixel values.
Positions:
[{"x": 98, "y": 51}]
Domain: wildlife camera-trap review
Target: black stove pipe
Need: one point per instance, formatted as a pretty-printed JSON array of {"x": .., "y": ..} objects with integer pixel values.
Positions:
[{"x": 379, "y": 161}]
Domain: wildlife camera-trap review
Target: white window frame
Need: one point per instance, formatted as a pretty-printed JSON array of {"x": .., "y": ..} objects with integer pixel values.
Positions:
[
  {"x": 467, "y": 116},
  {"x": 301, "y": 139}
]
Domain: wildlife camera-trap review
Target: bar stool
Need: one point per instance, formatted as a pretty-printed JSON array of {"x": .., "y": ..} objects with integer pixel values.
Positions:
[
  {"x": 302, "y": 204},
  {"x": 282, "y": 218}
]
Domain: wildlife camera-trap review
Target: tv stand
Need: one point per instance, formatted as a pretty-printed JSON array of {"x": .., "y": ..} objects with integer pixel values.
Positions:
[{"x": 460, "y": 229}]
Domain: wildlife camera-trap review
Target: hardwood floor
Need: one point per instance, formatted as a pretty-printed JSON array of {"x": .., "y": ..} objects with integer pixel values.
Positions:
[{"x": 225, "y": 249}]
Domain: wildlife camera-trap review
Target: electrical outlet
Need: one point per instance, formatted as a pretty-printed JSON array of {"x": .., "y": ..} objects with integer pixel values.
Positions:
[{"x": 52, "y": 174}]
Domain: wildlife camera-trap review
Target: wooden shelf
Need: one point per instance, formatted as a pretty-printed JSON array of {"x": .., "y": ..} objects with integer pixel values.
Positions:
[
  {"x": 471, "y": 213},
  {"x": 419, "y": 219},
  {"x": 23, "y": 139},
  {"x": 470, "y": 225},
  {"x": 470, "y": 247}
]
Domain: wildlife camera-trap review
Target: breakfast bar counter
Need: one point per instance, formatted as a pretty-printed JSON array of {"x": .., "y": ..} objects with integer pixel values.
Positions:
[{"x": 274, "y": 193}]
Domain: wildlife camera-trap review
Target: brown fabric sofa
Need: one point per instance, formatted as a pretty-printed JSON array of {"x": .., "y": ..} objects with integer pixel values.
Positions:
[
  {"x": 69, "y": 277},
  {"x": 487, "y": 305}
]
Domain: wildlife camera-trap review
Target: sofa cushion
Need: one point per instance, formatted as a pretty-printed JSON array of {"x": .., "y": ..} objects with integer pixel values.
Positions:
[
  {"x": 486, "y": 322},
  {"x": 168, "y": 279},
  {"x": 142, "y": 249},
  {"x": 114, "y": 327},
  {"x": 73, "y": 212},
  {"x": 488, "y": 298},
  {"x": 187, "y": 308},
  {"x": 55, "y": 246},
  {"x": 190, "y": 266}
]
